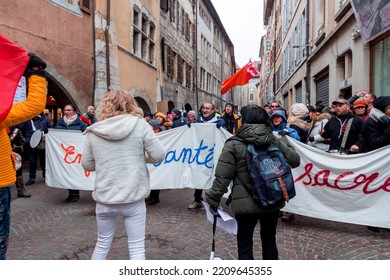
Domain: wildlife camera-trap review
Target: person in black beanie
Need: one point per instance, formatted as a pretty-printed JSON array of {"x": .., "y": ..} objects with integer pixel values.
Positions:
[{"x": 178, "y": 119}]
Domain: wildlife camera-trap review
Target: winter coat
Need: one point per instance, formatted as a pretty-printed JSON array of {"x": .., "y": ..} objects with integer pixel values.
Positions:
[
  {"x": 233, "y": 161},
  {"x": 117, "y": 148},
  {"x": 376, "y": 131},
  {"x": 302, "y": 125},
  {"x": 319, "y": 142},
  {"x": 283, "y": 126},
  {"x": 179, "y": 121},
  {"x": 20, "y": 112},
  {"x": 213, "y": 119},
  {"x": 334, "y": 130},
  {"x": 78, "y": 124},
  {"x": 232, "y": 122},
  {"x": 41, "y": 122}
]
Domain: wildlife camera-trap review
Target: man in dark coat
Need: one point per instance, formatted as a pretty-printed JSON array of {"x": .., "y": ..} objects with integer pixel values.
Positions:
[
  {"x": 376, "y": 132},
  {"x": 337, "y": 126}
]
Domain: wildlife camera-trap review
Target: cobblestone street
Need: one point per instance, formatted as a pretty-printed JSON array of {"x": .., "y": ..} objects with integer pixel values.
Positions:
[{"x": 43, "y": 227}]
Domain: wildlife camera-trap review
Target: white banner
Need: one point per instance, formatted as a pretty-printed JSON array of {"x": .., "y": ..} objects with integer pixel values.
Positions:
[
  {"x": 191, "y": 155},
  {"x": 346, "y": 188},
  {"x": 351, "y": 188}
]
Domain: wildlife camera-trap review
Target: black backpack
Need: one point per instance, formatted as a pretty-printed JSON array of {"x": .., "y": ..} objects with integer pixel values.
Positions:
[{"x": 270, "y": 175}]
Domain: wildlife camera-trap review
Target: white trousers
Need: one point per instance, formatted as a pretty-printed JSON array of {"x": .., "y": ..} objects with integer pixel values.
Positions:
[{"x": 134, "y": 216}]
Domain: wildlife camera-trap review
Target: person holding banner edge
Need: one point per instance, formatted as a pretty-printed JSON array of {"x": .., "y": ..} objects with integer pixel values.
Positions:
[
  {"x": 208, "y": 115},
  {"x": 71, "y": 121},
  {"x": 13, "y": 115},
  {"x": 117, "y": 148}
]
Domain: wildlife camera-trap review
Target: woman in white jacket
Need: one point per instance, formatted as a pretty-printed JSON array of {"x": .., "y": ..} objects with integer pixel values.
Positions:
[
  {"x": 117, "y": 147},
  {"x": 315, "y": 139}
]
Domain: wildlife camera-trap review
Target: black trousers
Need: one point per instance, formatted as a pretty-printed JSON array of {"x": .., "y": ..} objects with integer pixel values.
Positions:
[{"x": 246, "y": 227}]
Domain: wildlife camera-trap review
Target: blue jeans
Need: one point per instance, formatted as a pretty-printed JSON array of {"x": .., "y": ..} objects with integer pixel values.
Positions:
[
  {"x": 246, "y": 227},
  {"x": 5, "y": 219}
]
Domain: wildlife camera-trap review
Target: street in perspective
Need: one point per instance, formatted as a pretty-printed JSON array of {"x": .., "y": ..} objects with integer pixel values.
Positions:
[{"x": 45, "y": 228}]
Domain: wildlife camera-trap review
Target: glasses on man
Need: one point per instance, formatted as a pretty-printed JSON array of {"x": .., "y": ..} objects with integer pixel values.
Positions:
[{"x": 273, "y": 106}]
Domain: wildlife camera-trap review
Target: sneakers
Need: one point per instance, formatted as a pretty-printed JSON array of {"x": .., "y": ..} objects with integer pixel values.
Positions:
[
  {"x": 23, "y": 193},
  {"x": 29, "y": 182},
  {"x": 72, "y": 198},
  {"x": 195, "y": 205}
]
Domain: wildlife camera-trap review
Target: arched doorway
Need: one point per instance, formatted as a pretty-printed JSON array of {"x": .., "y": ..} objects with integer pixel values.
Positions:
[
  {"x": 57, "y": 98},
  {"x": 143, "y": 104}
]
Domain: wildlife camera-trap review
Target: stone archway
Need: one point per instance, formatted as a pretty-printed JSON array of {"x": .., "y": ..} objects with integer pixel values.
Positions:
[
  {"x": 60, "y": 91},
  {"x": 143, "y": 100}
]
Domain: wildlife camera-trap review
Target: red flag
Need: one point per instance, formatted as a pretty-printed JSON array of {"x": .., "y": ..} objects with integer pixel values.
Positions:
[
  {"x": 13, "y": 61},
  {"x": 241, "y": 77}
]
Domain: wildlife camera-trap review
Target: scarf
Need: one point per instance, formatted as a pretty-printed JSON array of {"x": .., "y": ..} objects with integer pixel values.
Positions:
[{"x": 70, "y": 120}]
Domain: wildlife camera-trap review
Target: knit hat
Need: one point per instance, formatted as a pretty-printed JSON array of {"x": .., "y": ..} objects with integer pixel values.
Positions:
[
  {"x": 191, "y": 113},
  {"x": 229, "y": 103},
  {"x": 359, "y": 103},
  {"x": 176, "y": 111},
  {"x": 161, "y": 115},
  {"x": 155, "y": 124},
  {"x": 299, "y": 109},
  {"x": 382, "y": 103}
]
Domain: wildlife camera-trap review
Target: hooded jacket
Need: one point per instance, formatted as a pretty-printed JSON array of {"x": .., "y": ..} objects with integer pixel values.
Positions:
[
  {"x": 20, "y": 112},
  {"x": 233, "y": 161},
  {"x": 283, "y": 126},
  {"x": 117, "y": 148}
]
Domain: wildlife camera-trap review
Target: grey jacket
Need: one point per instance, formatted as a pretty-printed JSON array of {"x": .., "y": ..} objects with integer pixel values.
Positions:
[{"x": 232, "y": 161}]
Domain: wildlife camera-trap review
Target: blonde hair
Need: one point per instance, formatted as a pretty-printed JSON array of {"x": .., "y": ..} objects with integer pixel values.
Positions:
[{"x": 118, "y": 102}]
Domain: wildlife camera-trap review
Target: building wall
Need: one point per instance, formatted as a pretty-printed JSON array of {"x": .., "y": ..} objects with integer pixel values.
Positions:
[
  {"x": 61, "y": 35},
  {"x": 174, "y": 91},
  {"x": 128, "y": 70}
]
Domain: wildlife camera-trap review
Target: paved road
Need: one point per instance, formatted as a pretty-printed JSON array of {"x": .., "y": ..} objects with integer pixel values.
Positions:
[{"x": 45, "y": 228}]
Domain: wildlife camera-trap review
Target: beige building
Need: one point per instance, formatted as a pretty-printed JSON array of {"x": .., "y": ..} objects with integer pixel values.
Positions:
[{"x": 314, "y": 50}]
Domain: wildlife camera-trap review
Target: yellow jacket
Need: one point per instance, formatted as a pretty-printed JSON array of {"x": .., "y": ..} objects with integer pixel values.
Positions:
[{"x": 20, "y": 112}]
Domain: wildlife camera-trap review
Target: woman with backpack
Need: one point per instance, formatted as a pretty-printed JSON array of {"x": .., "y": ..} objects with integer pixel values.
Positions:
[{"x": 232, "y": 165}]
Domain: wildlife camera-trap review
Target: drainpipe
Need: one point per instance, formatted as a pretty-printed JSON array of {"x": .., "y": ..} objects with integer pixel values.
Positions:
[
  {"x": 308, "y": 49},
  {"x": 275, "y": 30},
  {"x": 108, "y": 45},
  {"x": 94, "y": 53},
  {"x": 196, "y": 55}
]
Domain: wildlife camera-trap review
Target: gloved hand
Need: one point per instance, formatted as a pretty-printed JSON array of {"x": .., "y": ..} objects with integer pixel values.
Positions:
[
  {"x": 189, "y": 124},
  {"x": 214, "y": 210},
  {"x": 36, "y": 66},
  {"x": 311, "y": 139},
  {"x": 284, "y": 132},
  {"x": 218, "y": 125}
]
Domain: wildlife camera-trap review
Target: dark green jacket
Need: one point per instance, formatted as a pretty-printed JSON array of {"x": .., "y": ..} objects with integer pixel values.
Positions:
[{"x": 233, "y": 161}]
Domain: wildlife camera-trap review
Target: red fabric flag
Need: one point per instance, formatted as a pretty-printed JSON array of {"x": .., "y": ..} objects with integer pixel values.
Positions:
[
  {"x": 241, "y": 77},
  {"x": 13, "y": 61}
]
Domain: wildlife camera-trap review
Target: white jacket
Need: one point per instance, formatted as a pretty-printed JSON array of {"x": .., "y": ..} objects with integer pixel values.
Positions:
[{"x": 118, "y": 148}]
